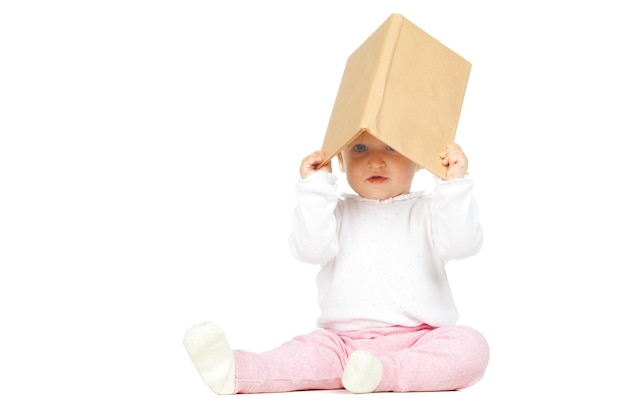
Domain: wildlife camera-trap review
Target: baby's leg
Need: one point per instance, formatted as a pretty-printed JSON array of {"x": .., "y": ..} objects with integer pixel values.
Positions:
[
  {"x": 309, "y": 362},
  {"x": 210, "y": 352},
  {"x": 444, "y": 359}
]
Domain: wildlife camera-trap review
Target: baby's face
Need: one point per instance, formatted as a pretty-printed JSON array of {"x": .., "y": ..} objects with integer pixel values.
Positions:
[{"x": 374, "y": 170}]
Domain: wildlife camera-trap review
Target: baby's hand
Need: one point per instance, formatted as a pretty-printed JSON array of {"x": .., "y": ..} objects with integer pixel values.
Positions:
[
  {"x": 310, "y": 164},
  {"x": 454, "y": 158}
]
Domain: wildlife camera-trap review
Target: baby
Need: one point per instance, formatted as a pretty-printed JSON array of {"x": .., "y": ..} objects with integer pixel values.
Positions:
[{"x": 387, "y": 316}]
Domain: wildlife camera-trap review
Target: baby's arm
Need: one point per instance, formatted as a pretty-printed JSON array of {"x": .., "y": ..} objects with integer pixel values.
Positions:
[
  {"x": 457, "y": 230},
  {"x": 314, "y": 234}
]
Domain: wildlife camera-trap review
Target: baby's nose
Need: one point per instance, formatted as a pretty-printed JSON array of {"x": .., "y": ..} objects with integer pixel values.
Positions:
[{"x": 377, "y": 162}]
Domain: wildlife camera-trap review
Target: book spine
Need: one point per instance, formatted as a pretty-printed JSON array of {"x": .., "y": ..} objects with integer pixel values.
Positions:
[{"x": 389, "y": 34}]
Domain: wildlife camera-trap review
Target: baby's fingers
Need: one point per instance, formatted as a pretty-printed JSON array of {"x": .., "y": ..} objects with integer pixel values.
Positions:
[
  {"x": 454, "y": 158},
  {"x": 311, "y": 163}
]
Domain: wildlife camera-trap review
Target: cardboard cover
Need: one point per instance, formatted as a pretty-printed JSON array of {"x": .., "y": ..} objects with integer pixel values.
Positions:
[{"x": 406, "y": 89}]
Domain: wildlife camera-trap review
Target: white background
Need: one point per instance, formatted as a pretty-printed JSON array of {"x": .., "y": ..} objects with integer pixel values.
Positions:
[{"x": 148, "y": 152}]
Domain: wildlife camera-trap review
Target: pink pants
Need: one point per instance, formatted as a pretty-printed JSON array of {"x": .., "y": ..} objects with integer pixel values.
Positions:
[{"x": 414, "y": 359}]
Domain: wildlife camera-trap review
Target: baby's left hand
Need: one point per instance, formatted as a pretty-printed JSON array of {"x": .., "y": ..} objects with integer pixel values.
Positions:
[{"x": 454, "y": 158}]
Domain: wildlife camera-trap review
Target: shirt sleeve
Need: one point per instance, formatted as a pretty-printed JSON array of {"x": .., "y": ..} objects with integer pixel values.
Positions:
[
  {"x": 456, "y": 228},
  {"x": 314, "y": 231}
]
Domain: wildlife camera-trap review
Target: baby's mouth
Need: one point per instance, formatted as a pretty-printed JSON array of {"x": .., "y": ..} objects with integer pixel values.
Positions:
[{"x": 376, "y": 179}]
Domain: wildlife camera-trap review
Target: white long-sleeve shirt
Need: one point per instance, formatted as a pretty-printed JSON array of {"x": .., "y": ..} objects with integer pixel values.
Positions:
[{"x": 382, "y": 261}]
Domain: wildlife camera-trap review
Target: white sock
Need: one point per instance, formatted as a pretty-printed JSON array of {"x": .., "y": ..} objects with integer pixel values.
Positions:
[
  {"x": 362, "y": 373},
  {"x": 212, "y": 356}
]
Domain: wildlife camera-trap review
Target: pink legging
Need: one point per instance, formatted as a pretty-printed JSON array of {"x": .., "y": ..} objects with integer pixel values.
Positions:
[{"x": 414, "y": 359}]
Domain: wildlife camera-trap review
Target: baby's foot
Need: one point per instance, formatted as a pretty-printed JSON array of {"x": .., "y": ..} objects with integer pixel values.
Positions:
[
  {"x": 212, "y": 356},
  {"x": 362, "y": 373}
]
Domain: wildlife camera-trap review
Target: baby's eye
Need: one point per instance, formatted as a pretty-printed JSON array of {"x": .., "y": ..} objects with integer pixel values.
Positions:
[
  {"x": 389, "y": 148},
  {"x": 359, "y": 147}
]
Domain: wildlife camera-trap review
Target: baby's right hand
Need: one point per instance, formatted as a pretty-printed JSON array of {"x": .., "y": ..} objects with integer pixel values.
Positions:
[{"x": 310, "y": 164}]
